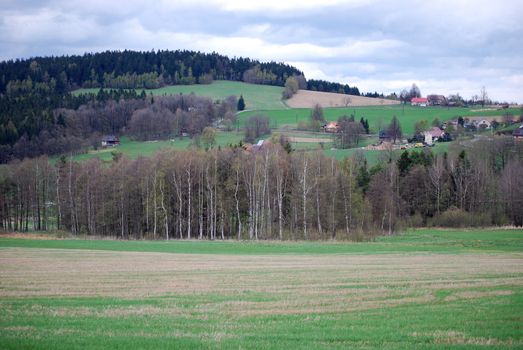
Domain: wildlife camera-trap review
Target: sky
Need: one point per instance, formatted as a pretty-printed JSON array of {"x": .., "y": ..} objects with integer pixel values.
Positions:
[{"x": 444, "y": 46}]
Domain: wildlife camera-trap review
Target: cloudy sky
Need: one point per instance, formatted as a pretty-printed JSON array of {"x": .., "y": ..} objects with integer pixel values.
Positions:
[{"x": 445, "y": 46}]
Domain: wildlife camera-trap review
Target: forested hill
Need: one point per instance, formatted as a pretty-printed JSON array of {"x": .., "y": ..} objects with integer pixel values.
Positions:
[
  {"x": 134, "y": 69},
  {"x": 35, "y": 91}
]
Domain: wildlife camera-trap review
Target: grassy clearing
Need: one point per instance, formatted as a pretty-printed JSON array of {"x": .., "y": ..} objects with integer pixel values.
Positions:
[
  {"x": 257, "y": 296},
  {"x": 377, "y": 116},
  {"x": 256, "y": 96},
  {"x": 135, "y": 149}
]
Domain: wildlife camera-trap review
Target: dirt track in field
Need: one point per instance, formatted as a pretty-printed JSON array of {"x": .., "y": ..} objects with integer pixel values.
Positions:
[
  {"x": 308, "y": 99},
  {"x": 291, "y": 284},
  {"x": 309, "y": 139}
]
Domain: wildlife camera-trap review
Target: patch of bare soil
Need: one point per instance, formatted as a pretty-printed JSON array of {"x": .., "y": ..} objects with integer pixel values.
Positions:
[{"x": 308, "y": 99}]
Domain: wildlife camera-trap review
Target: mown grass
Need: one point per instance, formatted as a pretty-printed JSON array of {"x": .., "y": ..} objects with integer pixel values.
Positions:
[
  {"x": 255, "y": 96},
  {"x": 423, "y": 240},
  {"x": 378, "y": 116},
  {"x": 253, "y": 295}
]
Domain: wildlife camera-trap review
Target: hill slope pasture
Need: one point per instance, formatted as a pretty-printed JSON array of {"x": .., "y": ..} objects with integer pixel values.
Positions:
[
  {"x": 378, "y": 116},
  {"x": 308, "y": 99},
  {"x": 426, "y": 289},
  {"x": 256, "y": 96}
]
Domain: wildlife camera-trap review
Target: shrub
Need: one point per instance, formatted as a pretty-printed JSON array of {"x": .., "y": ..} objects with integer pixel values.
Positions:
[{"x": 455, "y": 217}]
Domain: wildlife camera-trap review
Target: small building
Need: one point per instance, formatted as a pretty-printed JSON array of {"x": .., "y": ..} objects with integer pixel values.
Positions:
[
  {"x": 419, "y": 101},
  {"x": 331, "y": 127},
  {"x": 433, "y": 134},
  {"x": 484, "y": 124},
  {"x": 518, "y": 133},
  {"x": 110, "y": 141},
  {"x": 436, "y": 100}
]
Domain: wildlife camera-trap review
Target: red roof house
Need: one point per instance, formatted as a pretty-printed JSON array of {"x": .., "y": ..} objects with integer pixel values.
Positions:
[{"x": 419, "y": 101}]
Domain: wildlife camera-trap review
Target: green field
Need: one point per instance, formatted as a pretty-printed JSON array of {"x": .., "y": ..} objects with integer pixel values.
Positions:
[
  {"x": 378, "y": 116},
  {"x": 425, "y": 289},
  {"x": 256, "y": 96},
  {"x": 135, "y": 149}
]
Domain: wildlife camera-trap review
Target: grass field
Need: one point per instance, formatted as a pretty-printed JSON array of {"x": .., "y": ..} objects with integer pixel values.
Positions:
[
  {"x": 426, "y": 289},
  {"x": 377, "y": 116},
  {"x": 255, "y": 96},
  {"x": 135, "y": 149}
]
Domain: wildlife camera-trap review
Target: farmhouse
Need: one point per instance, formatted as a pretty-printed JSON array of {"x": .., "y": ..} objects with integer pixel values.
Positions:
[
  {"x": 331, "y": 127},
  {"x": 484, "y": 124},
  {"x": 436, "y": 100},
  {"x": 433, "y": 134},
  {"x": 110, "y": 141},
  {"x": 419, "y": 101}
]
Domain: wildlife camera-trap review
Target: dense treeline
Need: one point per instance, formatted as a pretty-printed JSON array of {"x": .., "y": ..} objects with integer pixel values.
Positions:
[
  {"x": 264, "y": 193},
  {"x": 134, "y": 69},
  {"x": 327, "y": 86},
  {"x": 83, "y": 120}
]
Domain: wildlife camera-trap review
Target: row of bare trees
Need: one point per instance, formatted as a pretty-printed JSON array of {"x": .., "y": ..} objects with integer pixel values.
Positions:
[{"x": 260, "y": 194}]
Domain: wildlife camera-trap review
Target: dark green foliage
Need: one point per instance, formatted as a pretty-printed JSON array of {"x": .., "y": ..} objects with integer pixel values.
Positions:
[
  {"x": 241, "y": 104},
  {"x": 365, "y": 124},
  {"x": 327, "y": 86}
]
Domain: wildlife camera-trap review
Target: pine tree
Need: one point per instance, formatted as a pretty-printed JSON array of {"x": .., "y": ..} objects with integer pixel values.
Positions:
[{"x": 241, "y": 103}]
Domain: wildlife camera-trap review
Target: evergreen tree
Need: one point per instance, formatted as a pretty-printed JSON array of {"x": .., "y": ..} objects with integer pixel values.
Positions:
[{"x": 241, "y": 103}]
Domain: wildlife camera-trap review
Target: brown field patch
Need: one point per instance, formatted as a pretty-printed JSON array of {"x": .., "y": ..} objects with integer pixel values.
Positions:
[
  {"x": 20, "y": 235},
  {"x": 280, "y": 284},
  {"x": 308, "y": 99}
]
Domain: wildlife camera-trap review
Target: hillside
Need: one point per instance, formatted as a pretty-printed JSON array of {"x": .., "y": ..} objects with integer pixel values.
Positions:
[
  {"x": 256, "y": 96},
  {"x": 308, "y": 99}
]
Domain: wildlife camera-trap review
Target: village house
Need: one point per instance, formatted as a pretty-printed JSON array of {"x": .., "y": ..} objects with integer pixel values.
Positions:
[
  {"x": 331, "y": 127},
  {"x": 419, "y": 101},
  {"x": 484, "y": 124},
  {"x": 433, "y": 134},
  {"x": 436, "y": 100},
  {"x": 110, "y": 141}
]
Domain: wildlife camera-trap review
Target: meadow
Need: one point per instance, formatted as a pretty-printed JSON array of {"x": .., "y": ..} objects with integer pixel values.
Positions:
[
  {"x": 424, "y": 289},
  {"x": 378, "y": 117},
  {"x": 134, "y": 149}
]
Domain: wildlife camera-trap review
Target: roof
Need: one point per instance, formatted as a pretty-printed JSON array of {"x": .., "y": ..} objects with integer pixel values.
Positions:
[
  {"x": 419, "y": 100},
  {"x": 435, "y": 132},
  {"x": 110, "y": 138}
]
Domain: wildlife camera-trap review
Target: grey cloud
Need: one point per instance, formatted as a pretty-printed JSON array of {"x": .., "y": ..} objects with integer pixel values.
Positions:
[{"x": 379, "y": 44}]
